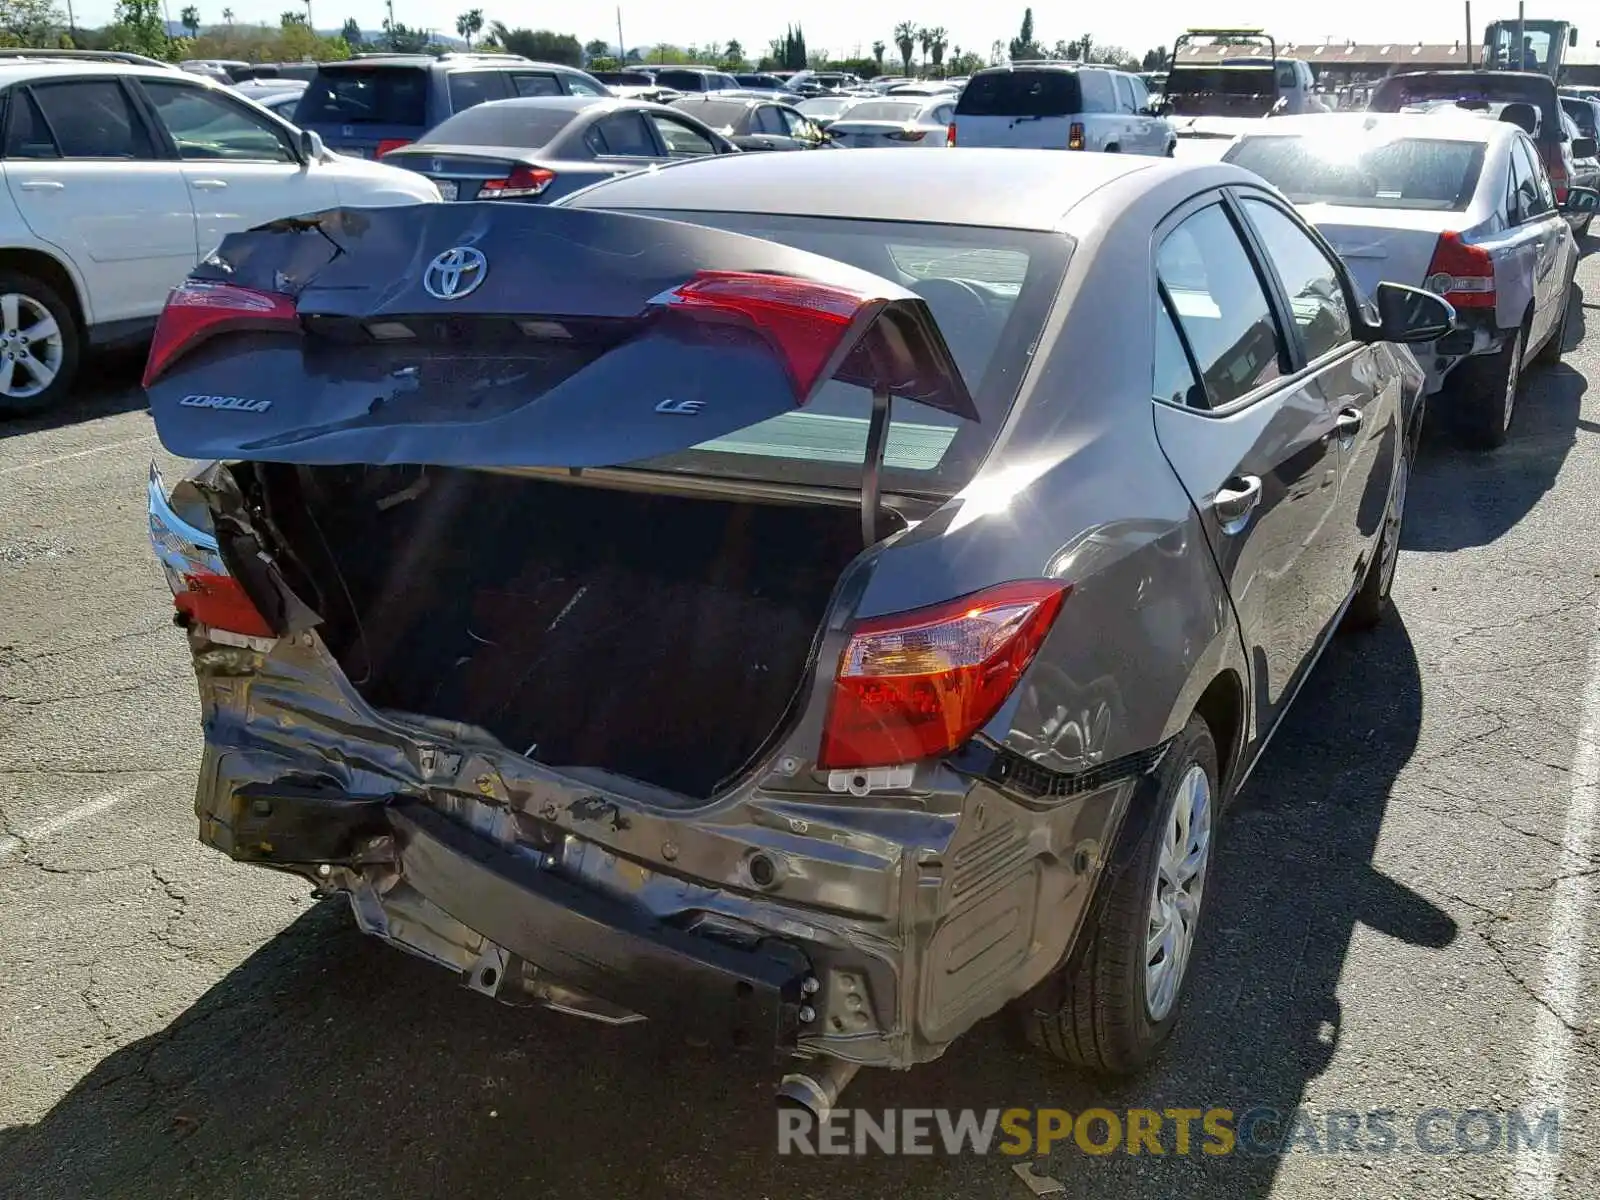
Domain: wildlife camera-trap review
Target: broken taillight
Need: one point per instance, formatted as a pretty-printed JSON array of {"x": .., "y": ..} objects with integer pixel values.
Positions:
[
  {"x": 1461, "y": 272},
  {"x": 203, "y": 590},
  {"x": 198, "y": 309},
  {"x": 805, "y": 321},
  {"x": 918, "y": 684}
]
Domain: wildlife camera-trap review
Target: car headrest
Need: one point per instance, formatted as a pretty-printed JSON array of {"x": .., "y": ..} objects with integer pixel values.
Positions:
[{"x": 1524, "y": 115}]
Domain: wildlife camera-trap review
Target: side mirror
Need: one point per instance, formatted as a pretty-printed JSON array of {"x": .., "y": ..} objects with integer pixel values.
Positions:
[
  {"x": 311, "y": 147},
  {"x": 1585, "y": 147},
  {"x": 1408, "y": 314},
  {"x": 1581, "y": 200}
]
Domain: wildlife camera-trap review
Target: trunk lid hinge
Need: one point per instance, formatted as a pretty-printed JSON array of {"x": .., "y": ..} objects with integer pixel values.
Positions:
[{"x": 872, "y": 468}]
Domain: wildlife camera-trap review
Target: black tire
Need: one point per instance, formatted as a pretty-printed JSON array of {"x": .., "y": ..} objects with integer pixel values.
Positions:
[
  {"x": 1371, "y": 603},
  {"x": 1172, "y": 149},
  {"x": 1095, "y": 1013},
  {"x": 36, "y": 291},
  {"x": 1487, "y": 387},
  {"x": 1550, "y": 352},
  {"x": 1113, "y": 149}
]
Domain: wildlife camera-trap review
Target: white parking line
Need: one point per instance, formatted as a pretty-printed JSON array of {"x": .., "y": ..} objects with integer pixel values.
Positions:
[
  {"x": 60, "y": 458},
  {"x": 91, "y": 808},
  {"x": 1550, "y": 1056}
]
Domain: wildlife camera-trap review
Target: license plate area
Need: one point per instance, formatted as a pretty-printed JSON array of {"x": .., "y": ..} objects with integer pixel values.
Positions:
[{"x": 448, "y": 188}]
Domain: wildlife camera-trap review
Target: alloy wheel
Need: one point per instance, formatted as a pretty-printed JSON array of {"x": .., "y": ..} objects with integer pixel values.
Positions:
[
  {"x": 1513, "y": 379},
  {"x": 1393, "y": 521},
  {"x": 1179, "y": 888},
  {"x": 31, "y": 346}
]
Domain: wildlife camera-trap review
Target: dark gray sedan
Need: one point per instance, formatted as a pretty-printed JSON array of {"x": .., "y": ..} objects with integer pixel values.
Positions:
[
  {"x": 812, "y": 601},
  {"x": 539, "y": 148},
  {"x": 754, "y": 124}
]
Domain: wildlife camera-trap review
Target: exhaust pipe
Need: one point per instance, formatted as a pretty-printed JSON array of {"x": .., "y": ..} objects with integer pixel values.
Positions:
[{"x": 816, "y": 1089}]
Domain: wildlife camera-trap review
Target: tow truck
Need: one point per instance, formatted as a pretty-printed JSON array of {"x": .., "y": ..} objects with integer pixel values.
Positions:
[
  {"x": 1519, "y": 44},
  {"x": 1210, "y": 103}
]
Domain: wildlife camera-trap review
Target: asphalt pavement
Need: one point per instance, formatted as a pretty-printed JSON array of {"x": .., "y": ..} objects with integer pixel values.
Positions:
[{"x": 1404, "y": 919}]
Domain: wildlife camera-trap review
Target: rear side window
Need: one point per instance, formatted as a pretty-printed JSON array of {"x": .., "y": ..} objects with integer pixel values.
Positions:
[
  {"x": 1021, "y": 94},
  {"x": 366, "y": 96},
  {"x": 537, "y": 85},
  {"x": 621, "y": 135},
  {"x": 93, "y": 119},
  {"x": 1220, "y": 305},
  {"x": 1174, "y": 381},
  {"x": 683, "y": 140},
  {"x": 1124, "y": 94},
  {"x": 1098, "y": 94},
  {"x": 474, "y": 87},
  {"x": 27, "y": 136}
]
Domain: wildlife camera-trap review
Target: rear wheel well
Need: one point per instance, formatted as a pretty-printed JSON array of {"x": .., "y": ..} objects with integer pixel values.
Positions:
[
  {"x": 47, "y": 270},
  {"x": 1221, "y": 706}
]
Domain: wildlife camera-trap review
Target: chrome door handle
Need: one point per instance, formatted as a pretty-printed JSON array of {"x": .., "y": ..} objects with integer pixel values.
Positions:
[
  {"x": 208, "y": 185},
  {"x": 1236, "y": 500},
  {"x": 42, "y": 185},
  {"x": 1348, "y": 423}
]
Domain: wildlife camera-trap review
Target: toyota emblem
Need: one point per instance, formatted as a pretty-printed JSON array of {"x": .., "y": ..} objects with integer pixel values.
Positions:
[{"x": 456, "y": 273}]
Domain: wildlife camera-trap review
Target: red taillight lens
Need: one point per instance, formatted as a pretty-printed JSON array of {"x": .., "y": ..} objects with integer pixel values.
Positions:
[
  {"x": 197, "y": 309},
  {"x": 1075, "y": 136},
  {"x": 806, "y": 322},
  {"x": 1555, "y": 166},
  {"x": 950, "y": 135},
  {"x": 1463, "y": 274},
  {"x": 524, "y": 181},
  {"x": 389, "y": 144},
  {"x": 919, "y": 684},
  {"x": 202, "y": 588}
]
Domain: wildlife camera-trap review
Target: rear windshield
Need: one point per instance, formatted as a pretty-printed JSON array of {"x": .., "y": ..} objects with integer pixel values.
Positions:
[
  {"x": 366, "y": 96},
  {"x": 683, "y": 81},
  {"x": 1021, "y": 94},
  {"x": 1417, "y": 173},
  {"x": 524, "y": 125},
  {"x": 989, "y": 290},
  {"x": 1480, "y": 91},
  {"x": 885, "y": 110},
  {"x": 1223, "y": 81},
  {"x": 826, "y": 106}
]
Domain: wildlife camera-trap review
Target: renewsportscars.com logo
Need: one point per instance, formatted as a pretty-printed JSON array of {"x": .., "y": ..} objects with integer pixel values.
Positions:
[
  {"x": 1259, "y": 1131},
  {"x": 231, "y": 403}
]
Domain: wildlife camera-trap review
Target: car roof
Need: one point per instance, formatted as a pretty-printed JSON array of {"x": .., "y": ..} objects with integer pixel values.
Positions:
[
  {"x": 20, "y": 72},
  {"x": 1450, "y": 126},
  {"x": 1015, "y": 189},
  {"x": 571, "y": 103}
]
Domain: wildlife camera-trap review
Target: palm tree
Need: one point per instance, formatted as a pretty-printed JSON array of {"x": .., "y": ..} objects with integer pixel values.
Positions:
[
  {"x": 878, "y": 49},
  {"x": 190, "y": 20},
  {"x": 925, "y": 40},
  {"x": 905, "y": 37},
  {"x": 227, "y": 15},
  {"x": 470, "y": 24},
  {"x": 938, "y": 39}
]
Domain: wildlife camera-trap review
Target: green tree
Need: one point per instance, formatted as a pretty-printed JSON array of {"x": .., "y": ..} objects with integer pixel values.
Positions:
[
  {"x": 227, "y": 16},
  {"x": 190, "y": 20},
  {"x": 938, "y": 39},
  {"x": 470, "y": 24},
  {"x": 598, "y": 48},
  {"x": 1154, "y": 60},
  {"x": 878, "y": 51},
  {"x": 287, "y": 19},
  {"x": 30, "y": 22},
  {"x": 733, "y": 55},
  {"x": 905, "y": 39},
  {"x": 403, "y": 39},
  {"x": 1023, "y": 45},
  {"x": 541, "y": 45},
  {"x": 351, "y": 33},
  {"x": 138, "y": 26}
]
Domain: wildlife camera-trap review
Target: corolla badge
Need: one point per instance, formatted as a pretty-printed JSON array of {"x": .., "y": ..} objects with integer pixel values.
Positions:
[
  {"x": 457, "y": 272},
  {"x": 228, "y": 403}
]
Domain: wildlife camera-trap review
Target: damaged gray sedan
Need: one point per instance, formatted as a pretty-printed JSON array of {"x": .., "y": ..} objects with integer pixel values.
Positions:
[{"x": 805, "y": 605}]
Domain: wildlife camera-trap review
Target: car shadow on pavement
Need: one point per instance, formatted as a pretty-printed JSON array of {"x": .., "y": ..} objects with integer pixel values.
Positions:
[
  {"x": 109, "y": 385},
  {"x": 328, "y": 1063},
  {"x": 1484, "y": 494}
]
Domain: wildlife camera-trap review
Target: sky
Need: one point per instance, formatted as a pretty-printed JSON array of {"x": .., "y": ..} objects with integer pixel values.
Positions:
[{"x": 841, "y": 26}]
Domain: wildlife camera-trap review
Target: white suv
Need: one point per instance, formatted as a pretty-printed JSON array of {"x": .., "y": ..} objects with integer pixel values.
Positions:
[
  {"x": 1059, "y": 106},
  {"x": 118, "y": 180}
]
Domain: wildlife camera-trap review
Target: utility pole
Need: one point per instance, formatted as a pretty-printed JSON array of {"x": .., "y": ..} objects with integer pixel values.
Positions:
[
  {"x": 72, "y": 25},
  {"x": 622, "y": 46},
  {"x": 309, "y": 24},
  {"x": 390, "y": 5}
]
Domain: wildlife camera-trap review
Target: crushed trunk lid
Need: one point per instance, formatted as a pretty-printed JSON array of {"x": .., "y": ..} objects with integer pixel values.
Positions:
[{"x": 491, "y": 335}]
